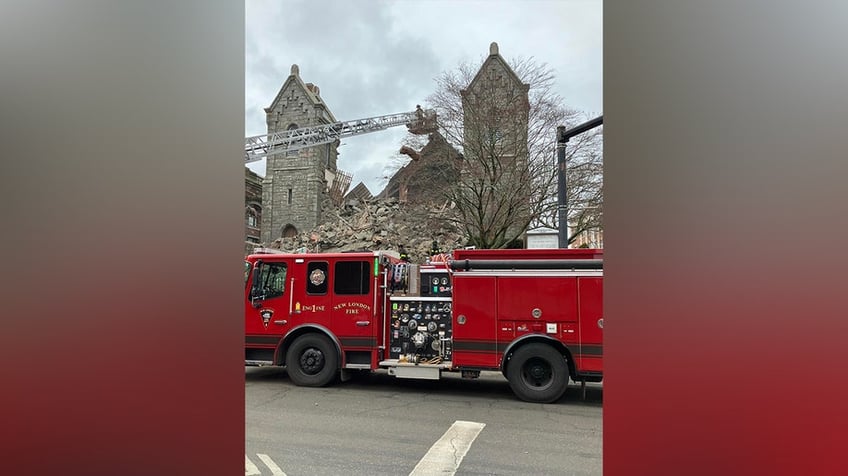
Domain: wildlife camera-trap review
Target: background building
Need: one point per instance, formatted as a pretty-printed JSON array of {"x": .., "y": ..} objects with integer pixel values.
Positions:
[{"x": 252, "y": 209}]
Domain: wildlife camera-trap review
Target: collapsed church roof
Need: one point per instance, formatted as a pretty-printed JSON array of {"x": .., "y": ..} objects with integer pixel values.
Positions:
[{"x": 425, "y": 177}]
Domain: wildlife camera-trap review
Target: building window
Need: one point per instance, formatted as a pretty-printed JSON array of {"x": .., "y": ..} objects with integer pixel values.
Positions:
[
  {"x": 252, "y": 215},
  {"x": 290, "y": 196},
  {"x": 292, "y": 153},
  {"x": 495, "y": 135}
]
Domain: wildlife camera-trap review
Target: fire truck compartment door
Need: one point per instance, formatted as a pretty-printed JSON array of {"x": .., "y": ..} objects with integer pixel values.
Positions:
[
  {"x": 591, "y": 332},
  {"x": 475, "y": 328},
  {"x": 538, "y": 301}
]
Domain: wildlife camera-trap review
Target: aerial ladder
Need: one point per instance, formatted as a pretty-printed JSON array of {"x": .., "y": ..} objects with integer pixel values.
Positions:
[{"x": 418, "y": 122}]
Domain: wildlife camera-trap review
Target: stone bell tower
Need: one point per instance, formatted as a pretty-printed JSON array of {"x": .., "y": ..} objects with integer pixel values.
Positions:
[{"x": 295, "y": 182}]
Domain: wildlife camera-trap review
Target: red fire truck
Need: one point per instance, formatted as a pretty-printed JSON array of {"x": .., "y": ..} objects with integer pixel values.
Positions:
[{"x": 534, "y": 315}]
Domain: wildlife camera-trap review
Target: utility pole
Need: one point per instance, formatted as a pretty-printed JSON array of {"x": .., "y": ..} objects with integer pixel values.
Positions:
[{"x": 562, "y": 198}]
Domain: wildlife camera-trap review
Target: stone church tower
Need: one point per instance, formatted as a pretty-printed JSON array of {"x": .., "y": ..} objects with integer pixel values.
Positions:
[
  {"x": 296, "y": 182},
  {"x": 496, "y": 114},
  {"x": 496, "y": 106}
]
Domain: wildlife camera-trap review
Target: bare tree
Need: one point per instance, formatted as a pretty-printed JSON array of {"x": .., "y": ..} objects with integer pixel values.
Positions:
[{"x": 505, "y": 127}]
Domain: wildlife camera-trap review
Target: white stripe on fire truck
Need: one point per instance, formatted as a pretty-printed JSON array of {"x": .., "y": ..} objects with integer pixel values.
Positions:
[
  {"x": 446, "y": 454},
  {"x": 538, "y": 273}
]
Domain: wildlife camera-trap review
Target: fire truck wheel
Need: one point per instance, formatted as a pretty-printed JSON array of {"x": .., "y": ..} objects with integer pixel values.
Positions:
[
  {"x": 312, "y": 361},
  {"x": 537, "y": 373}
]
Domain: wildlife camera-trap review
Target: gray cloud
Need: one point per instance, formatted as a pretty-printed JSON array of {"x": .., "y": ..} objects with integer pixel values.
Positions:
[{"x": 377, "y": 57}]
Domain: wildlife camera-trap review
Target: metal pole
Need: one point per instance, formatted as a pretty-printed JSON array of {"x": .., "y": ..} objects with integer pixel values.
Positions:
[{"x": 562, "y": 199}]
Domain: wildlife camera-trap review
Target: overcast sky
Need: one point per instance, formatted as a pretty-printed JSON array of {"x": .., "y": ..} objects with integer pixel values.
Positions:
[{"x": 376, "y": 57}]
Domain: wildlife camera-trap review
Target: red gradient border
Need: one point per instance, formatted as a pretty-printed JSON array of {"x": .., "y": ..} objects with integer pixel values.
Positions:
[
  {"x": 123, "y": 191},
  {"x": 724, "y": 149},
  {"x": 725, "y": 239}
]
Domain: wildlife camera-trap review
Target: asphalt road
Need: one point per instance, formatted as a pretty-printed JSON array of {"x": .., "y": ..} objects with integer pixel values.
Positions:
[{"x": 377, "y": 424}]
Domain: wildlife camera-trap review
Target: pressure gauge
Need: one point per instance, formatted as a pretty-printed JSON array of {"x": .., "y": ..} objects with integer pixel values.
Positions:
[{"x": 419, "y": 339}]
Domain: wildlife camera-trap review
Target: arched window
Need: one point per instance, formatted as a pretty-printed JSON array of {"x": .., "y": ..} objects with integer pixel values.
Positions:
[
  {"x": 289, "y": 231},
  {"x": 252, "y": 215},
  {"x": 291, "y": 153}
]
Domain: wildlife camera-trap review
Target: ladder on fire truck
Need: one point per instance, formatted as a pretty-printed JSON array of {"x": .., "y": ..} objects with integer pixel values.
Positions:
[{"x": 418, "y": 122}]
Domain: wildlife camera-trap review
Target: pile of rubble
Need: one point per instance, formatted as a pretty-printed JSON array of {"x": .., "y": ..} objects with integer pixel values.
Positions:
[{"x": 375, "y": 224}]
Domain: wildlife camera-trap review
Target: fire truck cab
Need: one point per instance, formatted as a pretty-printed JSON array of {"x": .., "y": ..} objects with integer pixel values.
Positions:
[{"x": 534, "y": 315}]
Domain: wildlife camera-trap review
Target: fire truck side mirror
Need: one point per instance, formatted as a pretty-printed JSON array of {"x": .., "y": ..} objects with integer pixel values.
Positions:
[
  {"x": 255, "y": 289},
  {"x": 256, "y": 296}
]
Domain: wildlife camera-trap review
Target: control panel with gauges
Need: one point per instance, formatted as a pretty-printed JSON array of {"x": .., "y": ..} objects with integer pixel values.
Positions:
[
  {"x": 420, "y": 329},
  {"x": 435, "y": 282}
]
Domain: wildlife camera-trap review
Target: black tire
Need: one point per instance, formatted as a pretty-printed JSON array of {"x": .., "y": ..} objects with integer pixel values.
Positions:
[
  {"x": 312, "y": 361},
  {"x": 537, "y": 373}
]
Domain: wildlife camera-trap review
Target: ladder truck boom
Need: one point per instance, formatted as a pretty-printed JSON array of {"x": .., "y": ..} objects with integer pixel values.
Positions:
[{"x": 256, "y": 147}]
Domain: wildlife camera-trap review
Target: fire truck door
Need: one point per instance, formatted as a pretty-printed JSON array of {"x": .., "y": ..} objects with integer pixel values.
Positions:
[
  {"x": 353, "y": 303},
  {"x": 312, "y": 293},
  {"x": 475, "y": 341},
  {"x": 267, "y": 300},
  {"x": 591, "y": 323}
]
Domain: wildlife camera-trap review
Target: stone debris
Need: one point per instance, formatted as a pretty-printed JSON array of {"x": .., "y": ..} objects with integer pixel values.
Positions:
[{"x": 379, "y": 224}]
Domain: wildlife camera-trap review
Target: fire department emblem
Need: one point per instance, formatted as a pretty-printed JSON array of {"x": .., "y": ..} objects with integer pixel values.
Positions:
[
  {"x": 317, "y": 277},
  {"x": 266, "y": 316}
]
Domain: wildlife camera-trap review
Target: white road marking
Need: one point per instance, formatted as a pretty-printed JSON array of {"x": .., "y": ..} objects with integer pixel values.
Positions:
[
  {"x": 250, "y": 469},
  {"x": 275, "y": 470},
  {"x": 446, "y": 454}
]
